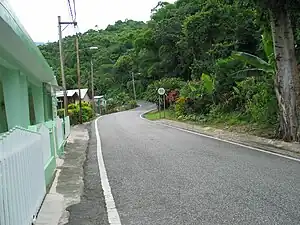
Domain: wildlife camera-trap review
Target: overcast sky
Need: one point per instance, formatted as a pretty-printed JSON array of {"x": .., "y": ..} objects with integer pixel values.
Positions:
[{"x": 39, "y": 17}]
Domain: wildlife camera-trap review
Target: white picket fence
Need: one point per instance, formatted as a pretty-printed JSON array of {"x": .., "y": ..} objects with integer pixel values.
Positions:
[
  {"x": 46, "y": 148},
  {"x": 59, "y": 131},
  {"x": 67, "y": 127},
  {"x": 22, "y": 179}
]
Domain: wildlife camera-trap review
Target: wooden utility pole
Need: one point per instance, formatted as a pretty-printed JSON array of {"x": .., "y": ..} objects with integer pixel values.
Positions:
[
  {"x": 133, "y": 85},
  {"x": 92, "y": 81},
  {"x": 62, "y": 62},
  {"x": 78, "y": 78},
  {"x": 62, "y": 67}
]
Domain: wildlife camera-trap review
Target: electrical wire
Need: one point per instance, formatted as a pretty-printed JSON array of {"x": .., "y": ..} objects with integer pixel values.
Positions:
[
  {"x": 71, "y": 11},
  {"x": 74, "y": 6},
  {"x": 73, "y": 15}
]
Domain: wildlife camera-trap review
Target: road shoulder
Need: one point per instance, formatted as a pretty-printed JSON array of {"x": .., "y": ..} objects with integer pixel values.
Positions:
[{"x": 274, "y": 146}]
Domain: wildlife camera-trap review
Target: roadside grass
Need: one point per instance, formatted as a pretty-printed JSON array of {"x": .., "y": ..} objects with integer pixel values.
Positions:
[
  {"x": 230, "y": 122},
  {"x": 154, "y": 115}
]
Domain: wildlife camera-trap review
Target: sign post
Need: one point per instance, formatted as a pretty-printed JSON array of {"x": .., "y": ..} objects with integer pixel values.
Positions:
[
  {"x": 164, "y": 99},
  {"x": 161, "y": 91}
]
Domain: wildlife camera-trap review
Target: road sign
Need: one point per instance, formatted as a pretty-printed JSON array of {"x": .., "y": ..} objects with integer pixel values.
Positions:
[{"x": 161, "y": 91}]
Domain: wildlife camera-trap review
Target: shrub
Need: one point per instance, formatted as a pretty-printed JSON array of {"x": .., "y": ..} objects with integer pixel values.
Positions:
[
  {"x": 73, "y": 112},
  {"x": 74, "y": 116},
  {"x": 132, "y": 104},
  {"x": 260, "y": 101},
  {"x": 73, "y": 106},
  {"x": 87, "y": 113},
  {"x": 168, "y": 84},
  {"x": 86, "y": 104},
  {"x": 61, "y": 113},
  {"x": 171, "y": 98},
  {"x": 180, "y": 107}
]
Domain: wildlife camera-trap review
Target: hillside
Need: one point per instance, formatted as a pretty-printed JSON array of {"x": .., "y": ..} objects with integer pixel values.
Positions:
[
  {"x": 179, "y": 45},
  {"x": 113, "y": 42}
]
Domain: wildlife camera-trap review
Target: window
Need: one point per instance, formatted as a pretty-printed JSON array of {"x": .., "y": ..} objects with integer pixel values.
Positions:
[
  {"x": 3, "y": 119},
  {"x": 31, "y": 107}
]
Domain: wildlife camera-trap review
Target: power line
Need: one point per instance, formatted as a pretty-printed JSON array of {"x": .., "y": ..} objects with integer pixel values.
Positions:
[
  {"x": 71, "y": 11},
  {"x": 75, "y": 14}
]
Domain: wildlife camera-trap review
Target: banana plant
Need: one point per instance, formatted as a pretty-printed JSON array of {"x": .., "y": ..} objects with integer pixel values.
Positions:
[{"x": 258, "y": 63}]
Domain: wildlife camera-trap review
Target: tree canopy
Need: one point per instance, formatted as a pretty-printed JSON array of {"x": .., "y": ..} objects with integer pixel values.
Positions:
[{"x": 182, "y": 41}]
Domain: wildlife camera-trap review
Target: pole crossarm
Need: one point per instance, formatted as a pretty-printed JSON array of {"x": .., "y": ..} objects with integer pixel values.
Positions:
[{"x": 67, "y": 23}]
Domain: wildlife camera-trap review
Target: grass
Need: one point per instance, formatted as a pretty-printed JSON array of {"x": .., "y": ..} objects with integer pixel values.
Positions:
[
  {"x": 231, "y": 122},
  {"x": 154, "y": 115}
]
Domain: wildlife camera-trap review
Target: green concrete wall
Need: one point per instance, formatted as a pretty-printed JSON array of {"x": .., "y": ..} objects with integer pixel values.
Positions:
[
  {"x": 15, "y": 91},
  {"x": 51, "y": 165},
  {"x": 49, "y": 171}
]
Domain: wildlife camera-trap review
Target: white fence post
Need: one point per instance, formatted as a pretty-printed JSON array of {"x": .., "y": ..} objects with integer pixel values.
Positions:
[
  {"x": 67, "y": 126},
  {"x": 59, "y": 134},
  {"x": 45, "y": 135}
]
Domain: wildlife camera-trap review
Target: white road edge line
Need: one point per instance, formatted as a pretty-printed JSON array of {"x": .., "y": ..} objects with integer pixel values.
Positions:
[
  {"x": 219, "y": 139},
  {"x": 112, "y": 212}
]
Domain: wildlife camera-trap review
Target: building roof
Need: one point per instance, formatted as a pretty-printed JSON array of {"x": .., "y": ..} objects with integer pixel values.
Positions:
[
  {"x": 98, "y": 96},
  {"x": 17, "y": 49},
  {"x": 72, "y": 92}
]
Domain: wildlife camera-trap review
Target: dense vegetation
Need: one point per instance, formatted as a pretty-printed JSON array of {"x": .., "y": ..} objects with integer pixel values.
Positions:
[{"x": 215, "y": 58}]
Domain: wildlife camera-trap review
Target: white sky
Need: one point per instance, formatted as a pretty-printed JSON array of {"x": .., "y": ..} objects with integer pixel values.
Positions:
[{"x": 39, "y": 17}]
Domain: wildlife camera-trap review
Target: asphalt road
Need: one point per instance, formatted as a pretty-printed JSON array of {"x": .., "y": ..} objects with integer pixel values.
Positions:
[{"x": 163, "y": 176}]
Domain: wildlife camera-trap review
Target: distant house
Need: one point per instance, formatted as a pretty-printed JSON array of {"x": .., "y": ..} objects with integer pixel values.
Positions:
[
  {"x": 73, "y": 96},
  {"x": 100, "y": 100},
  {"x": 100, "y": 104},
  {"x": 84, "y": 94}
]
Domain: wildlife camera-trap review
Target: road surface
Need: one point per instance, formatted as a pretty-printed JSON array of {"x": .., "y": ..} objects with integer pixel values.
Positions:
[{"x": 162, "y": 176}]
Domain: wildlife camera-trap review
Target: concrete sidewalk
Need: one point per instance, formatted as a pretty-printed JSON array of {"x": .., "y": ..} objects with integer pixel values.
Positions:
[{"x": 68, "y": 183}]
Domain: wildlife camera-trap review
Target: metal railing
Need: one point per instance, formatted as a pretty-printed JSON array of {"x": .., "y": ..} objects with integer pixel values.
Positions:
[
  {"x": 22, "y": 178},
  {"x": 67, "y": 127}
]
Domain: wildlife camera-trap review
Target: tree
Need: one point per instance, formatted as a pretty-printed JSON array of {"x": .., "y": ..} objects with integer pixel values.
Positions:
[{"x": 287, "y": 81}]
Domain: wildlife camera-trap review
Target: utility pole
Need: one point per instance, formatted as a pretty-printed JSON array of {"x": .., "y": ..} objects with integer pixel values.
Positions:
[
  {"x": 78, "y": 77},
  {"x": 62, "y": 67},
  {"x": 133, "y": 85},
  {"x": 92, "y": 81},
  {"x": 62, "y": 62}
]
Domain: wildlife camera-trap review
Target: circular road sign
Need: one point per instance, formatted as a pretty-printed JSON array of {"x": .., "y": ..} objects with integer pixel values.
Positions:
[{"x": 161, "y": 91}]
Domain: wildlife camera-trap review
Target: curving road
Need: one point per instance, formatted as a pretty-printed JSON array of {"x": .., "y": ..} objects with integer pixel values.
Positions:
[{"x": 163, "y": 176}]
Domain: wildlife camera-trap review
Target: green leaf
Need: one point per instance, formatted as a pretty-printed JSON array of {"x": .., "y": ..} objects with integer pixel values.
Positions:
[
  {"x": 236, "y": 90},
  {"x": 208, "y": 83},
  {"x": 268, "y": 44},
  {"x": 255, "y": 61}
]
